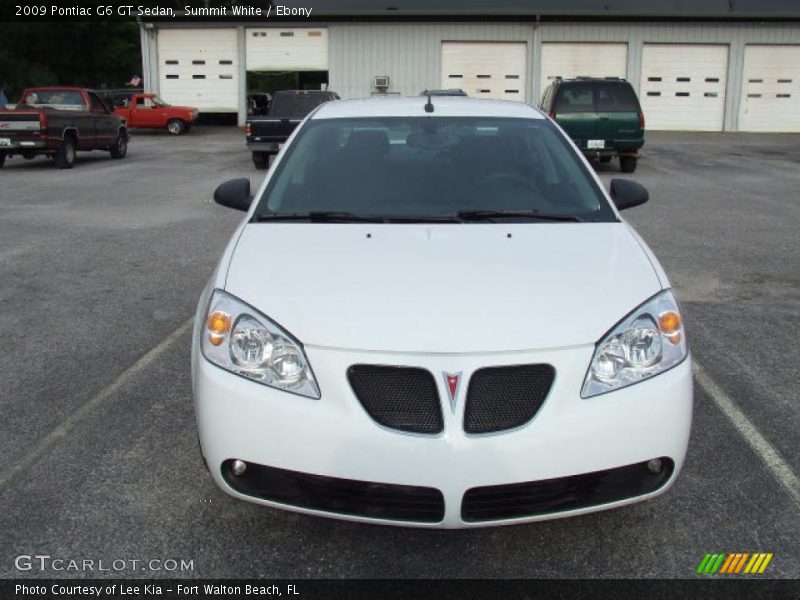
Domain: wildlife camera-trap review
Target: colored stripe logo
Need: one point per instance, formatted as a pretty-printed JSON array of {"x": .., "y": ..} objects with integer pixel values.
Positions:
[{"x": 734, "y": 563}]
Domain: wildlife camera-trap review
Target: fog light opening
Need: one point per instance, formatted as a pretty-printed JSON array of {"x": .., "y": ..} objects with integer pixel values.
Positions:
[
  {"x": 654, "y": 465},
  {"x": 239, "y": 466}
]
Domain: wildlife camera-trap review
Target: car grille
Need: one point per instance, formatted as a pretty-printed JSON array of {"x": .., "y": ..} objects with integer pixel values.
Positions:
[
  {"x": 403, "y": 398},
  {"x": 562, "y": 494},
  {"x": 501, "y": 398},
  {"x": 341, "y": 496}
]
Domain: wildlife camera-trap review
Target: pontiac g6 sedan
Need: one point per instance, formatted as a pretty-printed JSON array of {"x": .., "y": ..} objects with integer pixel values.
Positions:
[{"x": 434, "y": 315}]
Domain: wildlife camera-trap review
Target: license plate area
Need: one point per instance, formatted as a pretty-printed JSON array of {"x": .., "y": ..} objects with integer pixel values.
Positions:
[
  {"x": 595, "y": 144},
  {"x": 5, "y": 142}
]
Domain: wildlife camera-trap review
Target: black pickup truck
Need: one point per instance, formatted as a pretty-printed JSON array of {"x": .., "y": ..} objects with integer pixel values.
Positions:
[
  {"x": 266, "y": 134},
  {"x": 59, "y": 121}
]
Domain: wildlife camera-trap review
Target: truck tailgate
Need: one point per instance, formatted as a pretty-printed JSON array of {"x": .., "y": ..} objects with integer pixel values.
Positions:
[
  {"x": 272, "y": 129},
  {"x": 19, "y": 129}
]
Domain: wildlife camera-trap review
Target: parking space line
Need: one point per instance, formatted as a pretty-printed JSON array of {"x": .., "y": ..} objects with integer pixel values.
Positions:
[
  {"x": 9, "y": 476},
  {"x": 773, "y": 460}
]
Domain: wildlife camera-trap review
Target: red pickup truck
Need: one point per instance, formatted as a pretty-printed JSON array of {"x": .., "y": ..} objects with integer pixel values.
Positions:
[
  {"x": 59, "y": 121},
  {"x": 150, "y": 111}
]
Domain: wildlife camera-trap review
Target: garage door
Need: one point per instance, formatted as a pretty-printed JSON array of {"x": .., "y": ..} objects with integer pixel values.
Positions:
[
  {"x": 276, "y": 49},
  {"x": 567, "y": 61},
  {"x": 486, "y": 69},
  {"x": 199, "y": 67},
  {"x": 683, "y": 86},
  {"x": 770, "y": 89}
]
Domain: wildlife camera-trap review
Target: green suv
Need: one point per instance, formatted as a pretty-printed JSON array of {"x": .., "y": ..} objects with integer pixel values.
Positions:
[{"x": 602, "y": 116}]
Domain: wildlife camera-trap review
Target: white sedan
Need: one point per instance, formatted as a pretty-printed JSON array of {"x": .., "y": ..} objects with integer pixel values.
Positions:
[{"x": 433, "y": 315}]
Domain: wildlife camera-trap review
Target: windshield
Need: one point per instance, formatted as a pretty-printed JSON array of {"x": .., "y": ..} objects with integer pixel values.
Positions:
[
  {"x": 596, "y": 97},
  {"x": 616, "y": 97},
  {"x": 150, "y": 102},
  {"x": 432, "y": 166},
  {"x": 62, "y": 100},
  {"x": 296, "y": 105}
]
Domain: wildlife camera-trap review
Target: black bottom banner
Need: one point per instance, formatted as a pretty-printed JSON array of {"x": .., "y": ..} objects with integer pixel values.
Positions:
[{"x": 389, "y": 589}]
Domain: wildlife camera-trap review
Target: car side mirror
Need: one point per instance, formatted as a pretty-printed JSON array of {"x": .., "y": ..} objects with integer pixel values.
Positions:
[
  {"x": 627, "y": 193},
  {"x": 234, "y": 194}
]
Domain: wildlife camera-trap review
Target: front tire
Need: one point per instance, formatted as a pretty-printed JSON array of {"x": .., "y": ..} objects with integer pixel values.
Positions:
[
  {"x": 261, "y": 160},
  {"x": 120, "y": 147},
  {"x": 65, "y": 155},
  {"x": 627, "y": 164},
  {"x": 2, "y": 160},
  {"x": 176, "y": 127}
]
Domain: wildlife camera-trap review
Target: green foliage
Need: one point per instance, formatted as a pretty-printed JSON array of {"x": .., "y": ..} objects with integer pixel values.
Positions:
[{"x": 90, "y": 54}]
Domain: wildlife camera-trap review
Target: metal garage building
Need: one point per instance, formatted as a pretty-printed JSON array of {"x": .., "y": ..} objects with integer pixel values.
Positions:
[{"x": 728, "y": 65}]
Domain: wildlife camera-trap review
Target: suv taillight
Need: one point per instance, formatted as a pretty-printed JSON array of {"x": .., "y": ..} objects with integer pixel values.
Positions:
[
  {"x": 42, "y": 120},
  {"x": 641, "y": 120},
  {"x": 248, "y": 129},
  {"x": 553, "y": 115}
]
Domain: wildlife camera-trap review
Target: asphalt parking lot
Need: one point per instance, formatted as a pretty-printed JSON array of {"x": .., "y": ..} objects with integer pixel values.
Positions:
[{"x": 101, "y": 269}]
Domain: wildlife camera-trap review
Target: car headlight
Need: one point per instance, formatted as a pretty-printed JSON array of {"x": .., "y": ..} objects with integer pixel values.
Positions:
[
  {"x": 647, "y": 342},
  {"x": 241, "y": 340}
]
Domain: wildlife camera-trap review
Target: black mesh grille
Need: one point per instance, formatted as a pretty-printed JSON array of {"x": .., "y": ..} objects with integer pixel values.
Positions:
[
  {"x": 564, "y": 493},
  {"x": 403, "y": 398},
  {"x": 505, "y": 397},
  {"x": 335, "y": 495}
]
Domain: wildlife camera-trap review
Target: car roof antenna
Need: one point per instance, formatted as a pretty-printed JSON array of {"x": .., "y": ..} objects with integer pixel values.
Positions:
[{"x": 429, "y": 105}]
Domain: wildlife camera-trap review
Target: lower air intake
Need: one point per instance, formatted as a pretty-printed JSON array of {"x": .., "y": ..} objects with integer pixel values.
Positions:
[
  {"x": 562, "y": 494},
  {"x": 335, "y": 495}
]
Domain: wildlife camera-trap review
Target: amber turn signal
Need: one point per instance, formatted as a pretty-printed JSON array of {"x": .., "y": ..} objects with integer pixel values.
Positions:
[
  {"x": 219, "y": 324},
  {"x": 669, "y": 322},
  {"x": 670, "y": 325}
]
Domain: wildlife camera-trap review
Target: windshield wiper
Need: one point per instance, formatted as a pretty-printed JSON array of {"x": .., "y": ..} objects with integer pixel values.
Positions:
[
  {"x": 321, "y": 216},
  {"x": 421, "y": 219},
  {"x": 348, "y": 217},
  {"x": 489, "y": 215}
]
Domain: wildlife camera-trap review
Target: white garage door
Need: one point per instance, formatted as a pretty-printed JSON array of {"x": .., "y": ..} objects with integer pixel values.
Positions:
[
  {"x": 568, "y": 61},
  {"x": 199, "y": 67},
  {"x": 770, "y": 89},
  {"x": 486, "y": 69},
  {"x": 277, "y": 49},
  {"x": 683, "y": 86}
]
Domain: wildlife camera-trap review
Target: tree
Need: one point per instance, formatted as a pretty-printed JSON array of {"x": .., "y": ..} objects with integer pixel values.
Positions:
[{"x": 88, "y": 54}]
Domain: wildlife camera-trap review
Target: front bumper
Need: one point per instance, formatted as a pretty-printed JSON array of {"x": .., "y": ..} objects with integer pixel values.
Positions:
[
  {"x": 609, "y": 153},
  {"x": 611, "y": 148},
  {"x": 334, "y": 437},
  {"x": 258, "y": 146},
  {"x": 20, "y": 146}
]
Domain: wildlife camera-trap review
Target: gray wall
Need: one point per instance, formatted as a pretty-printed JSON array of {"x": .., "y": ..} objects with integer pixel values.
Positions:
[
  {"x": 149, "y": 43},
  {"x": 735, "y": 35},
  {"x": 409, "y": 53}
]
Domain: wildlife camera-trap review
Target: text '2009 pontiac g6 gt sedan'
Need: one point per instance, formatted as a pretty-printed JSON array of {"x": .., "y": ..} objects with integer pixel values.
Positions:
[{"x": 433, "y": 315}]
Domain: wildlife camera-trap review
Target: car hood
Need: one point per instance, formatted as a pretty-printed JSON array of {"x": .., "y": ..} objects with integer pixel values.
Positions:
[{"x": 449, "y": 288}]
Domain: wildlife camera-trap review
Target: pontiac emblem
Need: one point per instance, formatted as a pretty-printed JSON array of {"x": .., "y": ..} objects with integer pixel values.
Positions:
[{"x": 452, "y": 381}]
